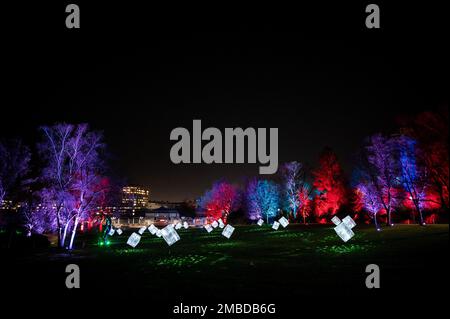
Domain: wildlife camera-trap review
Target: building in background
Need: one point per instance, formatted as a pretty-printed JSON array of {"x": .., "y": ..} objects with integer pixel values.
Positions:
[
  {"x": 135, "y": 196},
  {"x": 135, "y": 201}
]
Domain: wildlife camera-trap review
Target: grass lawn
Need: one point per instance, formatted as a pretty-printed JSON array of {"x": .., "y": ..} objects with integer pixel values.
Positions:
[{"x": 300, "y": 261}]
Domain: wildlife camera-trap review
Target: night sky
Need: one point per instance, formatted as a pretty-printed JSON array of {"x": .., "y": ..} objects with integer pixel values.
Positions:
[{"x": 136, "y": 73}]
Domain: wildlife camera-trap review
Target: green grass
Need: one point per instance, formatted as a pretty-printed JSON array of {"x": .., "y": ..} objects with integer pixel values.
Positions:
[{"x": 257, "y": 261}]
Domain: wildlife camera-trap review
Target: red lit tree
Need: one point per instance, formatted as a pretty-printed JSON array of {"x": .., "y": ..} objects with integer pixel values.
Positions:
[
  {"x": 304, "y": 196},
  {"x": 431, "y": 131},
  {"x": 329, "y": 182},
  {"x": 220, "y": 200}
]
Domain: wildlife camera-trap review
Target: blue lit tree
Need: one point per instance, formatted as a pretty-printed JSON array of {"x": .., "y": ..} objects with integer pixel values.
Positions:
[
  {"x": 293, "y": 176},
  {"x": 262, "y": 199},
  {"x": 412, "y": 177}
]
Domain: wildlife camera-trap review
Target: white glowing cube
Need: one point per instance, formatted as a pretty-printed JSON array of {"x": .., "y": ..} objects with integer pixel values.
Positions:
[
  {"x": 170, "y": 235},
  {"x": 260, "y": 222},
  {"x": 152, "y": 229},
  {"x": 221, "y": 224},
  {"x": 111, "y": 232},
  {"x": 336, "y": 220},
  {"x": 349, "y": 222},
  {"x": 178, "y": 226},
  {"x": 119, "y": 231},
  {"x": 283, "y": 221},
  {"x": 185, "y": 225},
  {"x": 158, "y": 233},
  {"x": 208, "y": 228},
  {"x": 344, "y": 232},
  {"x": 215, "y": 224},
  {"x": 133, "y": 240},
  {"x": 228, "y": 231},
  {"x": 275, "y": 225},
  {"x": 142, "y": 230}
]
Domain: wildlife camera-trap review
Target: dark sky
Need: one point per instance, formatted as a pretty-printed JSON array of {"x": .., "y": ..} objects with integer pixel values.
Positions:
[{"x": 136, "y": 73}]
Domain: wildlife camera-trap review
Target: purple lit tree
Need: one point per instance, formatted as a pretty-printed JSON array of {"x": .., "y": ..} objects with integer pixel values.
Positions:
[
  {"x": 381, "y": 170},
  {"x": 72, "y": 175},
  {"x": 262, "y": 199},
  {"x": 370, "y": 200}
]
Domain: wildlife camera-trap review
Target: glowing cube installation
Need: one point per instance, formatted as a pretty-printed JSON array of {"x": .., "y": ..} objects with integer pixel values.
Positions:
[
  {"x": 133, "y": 240},
  {"x": 142, "y": 230},
  {"x": 349, "y": 222},
  {"x": 119, "y": 231},
  {"x": 344, "y": 232},
  {"x": 283, "y": 221},
  {"x": 178, "y": 226},
  {"x": 170, "y": 235},
  {"x": 185, "y": 225},
  {"x": 111, "y": 232},
  {"x": 221, "y": 224},
  {"x": 208, "y": 228},
  {"x": 152, "y": 229},
  {"x": 336, "y": 220},
  {"x": 260, "y": 222},
  {"x": 215, "y": 224},
  {"x": 275, "y": 225},
  {"x": 228, "y": 231}
]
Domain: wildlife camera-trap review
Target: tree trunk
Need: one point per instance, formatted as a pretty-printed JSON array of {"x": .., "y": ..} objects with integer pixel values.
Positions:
[
  {"x": 419, "y": 212},
  {"x": 389, "y": 220},
  {"x": 375, "y": 220},
  {"x": 74, "y": 230},
  {"x": 63, "y": 239}
]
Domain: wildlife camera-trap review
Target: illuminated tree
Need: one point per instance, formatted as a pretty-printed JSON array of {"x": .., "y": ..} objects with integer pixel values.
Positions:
[
  {"x": 220, "y": 200},
  {"x": 295, "y": 190},
  {"x": 329, "y": 183},
  {"x": 370, "y": 200},
  {"x": 431, "y": 131},
  {"x": 412, "y": 177},
  {"x": 305, "y": 200},
  {"x": 262, "y": 198},
  {"x": 380, "y": 169},
  {"x": 37, "y": 218},
  {"x": 14, "y": 165},
  {"x": 72, "y": 175}
]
